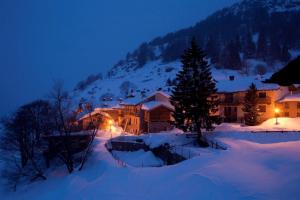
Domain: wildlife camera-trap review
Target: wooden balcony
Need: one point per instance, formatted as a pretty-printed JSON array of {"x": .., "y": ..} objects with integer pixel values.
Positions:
[
  {"x": 266, "y": 100},
  {"x": 239, "y": 101},
  {"x": 231, "y": 102}
]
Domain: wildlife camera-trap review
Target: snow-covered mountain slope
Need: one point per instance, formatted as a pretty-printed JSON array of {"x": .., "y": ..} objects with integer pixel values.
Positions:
[
  {"x": 264, "y": 32},
  {"x": 133, "y": 86},
  {"x": 271, "y": 5}
]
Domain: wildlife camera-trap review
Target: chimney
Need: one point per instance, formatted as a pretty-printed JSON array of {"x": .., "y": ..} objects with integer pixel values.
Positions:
[{"x": 231, "y": 78}]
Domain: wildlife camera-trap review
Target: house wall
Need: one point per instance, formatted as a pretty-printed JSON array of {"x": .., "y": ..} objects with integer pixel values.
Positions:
[
  {"x": 234, "y": 103},
  {"x": 133, "y": 125},
  {"x": 115, "y": 114},
  {"x": 97, "y": 119},
  {"x": 130, "y": 119},
  {"x": 155, "y": 127},
  {"x": 160, "y": 114},
  {"x": 289, "y": 109},
  {"x": 160, "y": 120}
]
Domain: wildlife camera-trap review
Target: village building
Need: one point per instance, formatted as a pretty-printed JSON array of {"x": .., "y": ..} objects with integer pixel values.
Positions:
[
  {"x": 232, "y": 103},
  {"x": 273, "y": 100},
  {"x": 154, "y": 113},
  {"x": 289, "y": 105},
  {"x": 151, "y": 115},
  {"x": 97, "y": 118}
]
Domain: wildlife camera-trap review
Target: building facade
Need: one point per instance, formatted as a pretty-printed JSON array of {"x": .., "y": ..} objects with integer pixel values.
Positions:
[{"x": 154, "y": 114}]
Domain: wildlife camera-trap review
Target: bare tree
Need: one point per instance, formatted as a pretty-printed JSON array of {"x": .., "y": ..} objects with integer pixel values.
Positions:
[
  {"x": 63, "y": 116},
  {"x": 94, "y": 122}
]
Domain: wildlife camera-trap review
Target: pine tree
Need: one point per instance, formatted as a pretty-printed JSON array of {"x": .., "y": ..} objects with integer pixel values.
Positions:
[
  {"x": 231, "y": 57},
  {"x": 262, "y": 46},
  {"x": 285, "y": 54},
  {"x": 249, "y": 46},
  {"x": 194, "y": 95},
  {"x": 212, "y": 50},
  {"x": 237, "y": 43},
  {"x": 250, "y": 106},
  {"x": 274, "y": 50}
]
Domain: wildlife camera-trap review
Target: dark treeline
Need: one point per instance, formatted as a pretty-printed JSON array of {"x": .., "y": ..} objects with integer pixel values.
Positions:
[{"x": 228, "y": 37}]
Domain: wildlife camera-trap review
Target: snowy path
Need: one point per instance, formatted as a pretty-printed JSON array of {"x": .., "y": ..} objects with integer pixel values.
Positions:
[{"x": 247, "y": 170}]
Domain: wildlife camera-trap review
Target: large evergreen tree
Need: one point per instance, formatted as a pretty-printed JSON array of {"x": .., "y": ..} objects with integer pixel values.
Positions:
[
  {"x": 274, "y": 50},
  {"x": 262, "y": 46},
  {"x": 250, "y": 106},
  {"x": 194, "y": 95},
  {"x": 212, "y": 50},
  {"x": 231, "y": 57},
  {"x": 250, "y": 47},
  {"x": 285, "y": 54}
]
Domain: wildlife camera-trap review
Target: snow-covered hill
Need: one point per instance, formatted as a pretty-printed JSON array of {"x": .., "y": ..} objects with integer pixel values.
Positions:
[
  {"x": 133, "y": 86},
  {"x": 256, "y": 29},
  {"x": 264, "y": 32}
]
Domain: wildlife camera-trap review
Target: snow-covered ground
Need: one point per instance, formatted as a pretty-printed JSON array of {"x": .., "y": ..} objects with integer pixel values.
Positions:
[
  {"x": 255, "y": 166},
  {"x": 138, "y": 158},
  {"x": 284, "y": 124}
]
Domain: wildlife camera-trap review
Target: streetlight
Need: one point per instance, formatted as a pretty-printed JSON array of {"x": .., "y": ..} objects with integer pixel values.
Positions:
[
  {"x": 277, "y": 111},
  {"x": 110, "y": 122}
]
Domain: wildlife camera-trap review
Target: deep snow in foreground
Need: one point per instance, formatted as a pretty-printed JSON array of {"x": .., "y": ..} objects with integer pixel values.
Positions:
[{"x": 255, "y": 166}]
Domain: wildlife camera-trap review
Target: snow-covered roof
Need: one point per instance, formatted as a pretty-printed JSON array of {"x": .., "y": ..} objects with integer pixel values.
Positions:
[
  {"x": 161, "y": 93},
  {"x": 96, "y": 111},
  {"x": 154, "y": 104},
  {"x": 291, "y": 97},
  {"x": 240, "y": 82}
]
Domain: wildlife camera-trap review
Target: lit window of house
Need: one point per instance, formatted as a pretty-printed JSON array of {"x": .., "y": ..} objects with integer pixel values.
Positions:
[
  {"x": 286, "y": 114},
  {"x": 286, "y": 105},
  {"x": 262, "y": 95},
  {"x": 262, "y": 108}
]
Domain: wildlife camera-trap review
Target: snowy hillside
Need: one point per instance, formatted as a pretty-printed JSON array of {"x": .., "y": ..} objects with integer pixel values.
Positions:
[
  {"x": 255, "y": 29},
  {"x": 133, "y": 86},
  {"x": 265, "y": 39}
]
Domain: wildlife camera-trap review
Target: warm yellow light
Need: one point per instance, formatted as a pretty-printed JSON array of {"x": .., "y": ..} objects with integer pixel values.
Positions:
[
  {"x": 110, "y": 122},
  {"x": 277, "y": 110}
]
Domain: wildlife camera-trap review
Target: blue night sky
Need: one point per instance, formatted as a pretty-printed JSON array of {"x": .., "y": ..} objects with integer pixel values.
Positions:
[{"x": 46, "y": 40}]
